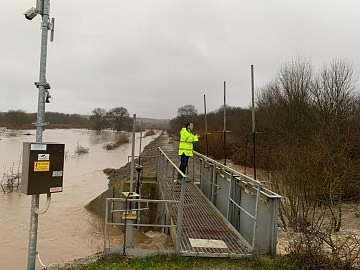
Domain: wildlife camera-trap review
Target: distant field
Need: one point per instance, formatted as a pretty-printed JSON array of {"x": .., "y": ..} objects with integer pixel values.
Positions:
[{"x": 154, "y": 123}]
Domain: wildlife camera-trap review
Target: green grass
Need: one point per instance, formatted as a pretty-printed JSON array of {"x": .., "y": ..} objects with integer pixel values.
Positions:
[{"x": 190, "y": 263}]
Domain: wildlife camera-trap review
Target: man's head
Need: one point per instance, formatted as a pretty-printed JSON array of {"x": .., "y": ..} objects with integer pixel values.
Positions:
[{"x": 189, "y": 125}]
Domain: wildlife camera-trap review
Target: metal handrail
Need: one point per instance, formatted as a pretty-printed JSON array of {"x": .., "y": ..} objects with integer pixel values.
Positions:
[
  {"x": 172, "y": 163},
  {"x": 164, "y": 158},
  {"x": 109, "y": 200},
  {"x": 230, "y": 170},
  {"x": 233, "y": 177}
]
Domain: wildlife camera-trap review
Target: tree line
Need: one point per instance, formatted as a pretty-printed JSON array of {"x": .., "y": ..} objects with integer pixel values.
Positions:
[
  {"x": 19, "y": 119},
  {"x": 116, "y": 118}
]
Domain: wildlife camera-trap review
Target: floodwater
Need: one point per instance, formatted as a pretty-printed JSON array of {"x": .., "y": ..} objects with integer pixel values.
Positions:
[{"x": 67, "y": 230}]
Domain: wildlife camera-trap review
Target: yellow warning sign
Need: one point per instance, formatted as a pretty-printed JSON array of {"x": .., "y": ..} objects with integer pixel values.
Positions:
[{"x": 41, "y": 166}]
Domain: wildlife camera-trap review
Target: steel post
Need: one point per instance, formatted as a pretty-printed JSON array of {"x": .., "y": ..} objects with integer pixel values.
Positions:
[
  {"x": 132, "y": 154},
  {"x": 206, "y": 128},
  {"x": 253, "y": 119},
  {"x": 105, "y": 223},
  {"x": 255, "y": 218},
  {"x": 225, "y": 123},
  {"x": 40, "y": 124},
  {"x": 180, "y": 215}
]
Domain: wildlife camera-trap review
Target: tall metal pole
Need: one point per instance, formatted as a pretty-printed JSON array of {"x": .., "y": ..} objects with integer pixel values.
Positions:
[
  {"x": 141, "y": 123},
  {"x": 253, "y": 119},
  {"x": 132, "y": 154},
  {"x": 40, "y": 125},
  {"x": 225, "y": 123},
  {"x": 138, "y": 168},
  {"x": 206, "y": 129}
]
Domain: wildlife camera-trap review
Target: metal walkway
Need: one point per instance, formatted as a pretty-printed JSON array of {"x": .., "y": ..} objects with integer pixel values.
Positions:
[
  {"x": 220, "y": 212},
  {"x": 204, "y": 232},
  {"x": 214, "y": 211}
]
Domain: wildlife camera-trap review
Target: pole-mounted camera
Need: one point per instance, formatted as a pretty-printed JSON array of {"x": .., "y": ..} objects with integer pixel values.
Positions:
[{"x": 31, "y": 13}]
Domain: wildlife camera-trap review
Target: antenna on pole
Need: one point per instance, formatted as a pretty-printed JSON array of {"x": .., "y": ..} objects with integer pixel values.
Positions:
[
  {"x": 206, "y": 128},
  {"x": 132, "y": 154},
  {"x": 139, "y": 167},
  {"x": 224, "y": 131},
  {"x": 253, "y": 119}
]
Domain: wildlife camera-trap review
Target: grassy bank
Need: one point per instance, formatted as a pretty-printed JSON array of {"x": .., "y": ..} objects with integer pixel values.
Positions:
[{"x": 189, "y": 263}]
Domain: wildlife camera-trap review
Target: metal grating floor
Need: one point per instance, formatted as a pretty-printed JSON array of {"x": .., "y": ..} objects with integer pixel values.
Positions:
[{"x": 200, "y": 221}]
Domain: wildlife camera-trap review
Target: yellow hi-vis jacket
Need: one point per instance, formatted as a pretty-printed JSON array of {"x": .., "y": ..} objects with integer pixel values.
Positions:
[{"x": 186, "y": 142}]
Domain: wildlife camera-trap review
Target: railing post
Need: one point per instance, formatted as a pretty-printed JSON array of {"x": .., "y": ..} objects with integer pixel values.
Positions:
[
  {"x": 213, "y": 185},
  {"x": 274, "y": 223},
  {"x": 255, "y": 218},
  {"x": 105, "y": 224},
  {"x": 193, "y": 169},
  {"x": 164, "y": 168},
  {"x": 180, "y": 215},
  {"x": 158, "y": 171},
  {"x": 201, "y": 174},
  {"x": 230, "y": 192}
]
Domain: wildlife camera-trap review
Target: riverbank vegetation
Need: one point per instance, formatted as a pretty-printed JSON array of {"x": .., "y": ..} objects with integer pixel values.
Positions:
[
  {"x": 178, "y": 262},
  {"x": 149, "y": 132},
  {"x": 116, "y": 118},
  {"x": 188, "y": 263},
  {"x": 307, "y": 149},
  {"x": 120, "y": 139},
  {"x": 19, "y": 119},
  {"x": 11, "y": 178},
  {"x": 80, "y": 150}
]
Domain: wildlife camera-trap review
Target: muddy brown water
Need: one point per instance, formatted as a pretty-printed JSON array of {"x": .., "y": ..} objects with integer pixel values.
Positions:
[{"x": 67, "y": 230}]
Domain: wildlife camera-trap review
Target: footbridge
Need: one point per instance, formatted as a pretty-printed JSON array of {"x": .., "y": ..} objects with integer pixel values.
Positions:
[{"x": 212, "y": 211}]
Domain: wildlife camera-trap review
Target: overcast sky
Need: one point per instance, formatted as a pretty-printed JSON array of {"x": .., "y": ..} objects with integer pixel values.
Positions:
[{"x": 154, "y": 56}]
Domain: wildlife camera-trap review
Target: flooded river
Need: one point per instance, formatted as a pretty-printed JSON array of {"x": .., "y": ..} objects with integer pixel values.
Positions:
[{"x": 67, "y": 230}]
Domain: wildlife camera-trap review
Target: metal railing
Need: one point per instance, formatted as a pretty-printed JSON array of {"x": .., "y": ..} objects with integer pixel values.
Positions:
[
  {"x": 169, "y": 176},
  {"x": 246, "y": 204},
  {"x": 126, "y": 207},
  {"x": 169, "y": 209}
]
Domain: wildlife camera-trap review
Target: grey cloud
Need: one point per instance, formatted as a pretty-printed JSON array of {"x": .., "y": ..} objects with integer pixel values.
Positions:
[{"x": 152, "y": 57}]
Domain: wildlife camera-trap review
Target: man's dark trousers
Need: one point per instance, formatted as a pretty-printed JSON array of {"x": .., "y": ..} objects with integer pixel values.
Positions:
[{"x": 183, "y": 162}]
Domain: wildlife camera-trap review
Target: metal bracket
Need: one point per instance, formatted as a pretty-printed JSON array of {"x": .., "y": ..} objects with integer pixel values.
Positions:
[
  {"x": 38, "y": 84},
  {"x": 42, "y": 124},
  {"x": 51, "y": 28}
]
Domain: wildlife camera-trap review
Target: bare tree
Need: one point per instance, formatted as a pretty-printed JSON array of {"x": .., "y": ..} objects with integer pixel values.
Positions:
[
  {"x": 117, "y": 117},
  {"x": 187, "y": 111},
  {"x": 98, "y": 118},
  {"x": 333, "y": 92}
]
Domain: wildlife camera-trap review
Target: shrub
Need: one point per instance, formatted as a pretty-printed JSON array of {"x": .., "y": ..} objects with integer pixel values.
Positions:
[
  {"x": 318, "y": 249},
  {"x": 11, "y": 179},
  {"x": 120, "y": 139},
  {"x": 81, "y": 149},
  {"x": 149, "y": 132}
]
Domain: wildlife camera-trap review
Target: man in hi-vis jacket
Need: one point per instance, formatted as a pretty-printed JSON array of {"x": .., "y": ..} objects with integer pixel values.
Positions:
[{"x": 186, "y": 145}]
